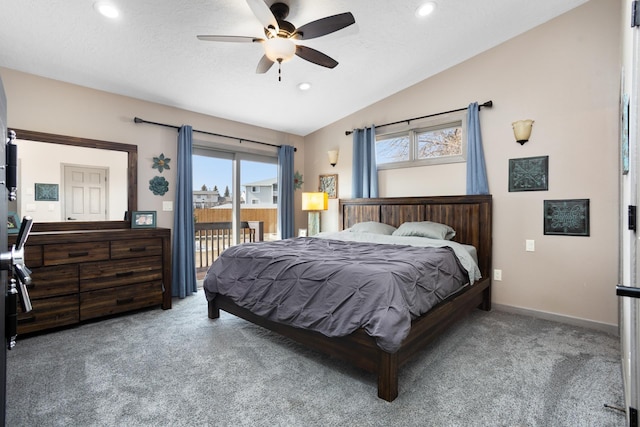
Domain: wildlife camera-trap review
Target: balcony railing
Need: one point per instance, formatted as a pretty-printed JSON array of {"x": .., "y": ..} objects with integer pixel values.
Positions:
[{"x": 214, "y": 237}]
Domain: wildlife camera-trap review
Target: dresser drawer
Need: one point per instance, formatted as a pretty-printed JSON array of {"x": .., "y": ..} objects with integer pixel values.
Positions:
[
  {"x": 49, "y": 313},
  {"x": 70, "y": 253},
  {"x": 33, "y": 255},
  {"x": 53, "y": 281},
  {"x": 135, "y": 248},
  {"x": 99, "y": 275},
  {"x": 117, "y": 300}
]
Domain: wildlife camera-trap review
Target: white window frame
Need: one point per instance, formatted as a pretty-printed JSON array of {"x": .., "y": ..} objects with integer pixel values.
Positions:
[{"x": 434, "y": 123}]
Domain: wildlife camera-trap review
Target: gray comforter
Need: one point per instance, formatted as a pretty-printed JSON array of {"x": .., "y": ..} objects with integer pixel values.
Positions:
[{"x": 335, "y": 287}]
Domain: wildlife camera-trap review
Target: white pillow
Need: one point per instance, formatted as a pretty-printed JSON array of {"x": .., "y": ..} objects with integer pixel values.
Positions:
[
  {"x": 432, "y": 230},
  {"x": 373, "y": 227}
]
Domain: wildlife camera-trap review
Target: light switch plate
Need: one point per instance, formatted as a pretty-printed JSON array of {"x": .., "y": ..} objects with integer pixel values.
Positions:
[
  {"x": 167, "y": 206},
  {"x": 530, "y": 245}
]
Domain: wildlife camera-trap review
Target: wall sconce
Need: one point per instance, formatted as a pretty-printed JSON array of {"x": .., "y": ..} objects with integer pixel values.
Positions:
[
  {"x": 333, "y": 157},
  {"x": 314, "y": 202},
  {"x": 522, "y": 130}
]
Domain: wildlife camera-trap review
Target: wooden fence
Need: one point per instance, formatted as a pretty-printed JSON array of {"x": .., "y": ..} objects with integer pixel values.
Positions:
[{"x": 268, "y": 216}]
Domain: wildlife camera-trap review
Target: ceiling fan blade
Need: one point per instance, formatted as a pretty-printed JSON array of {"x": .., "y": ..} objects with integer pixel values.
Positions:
[
  {"x": 325, "y": 26},
  {"x": 315, "y": 56},
  {"x": 264, "y": 15},
  {"x": 264, "y": 65},
  {"x": 233, "y": 39}
]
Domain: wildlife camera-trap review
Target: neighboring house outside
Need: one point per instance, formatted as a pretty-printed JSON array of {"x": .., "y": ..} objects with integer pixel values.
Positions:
[
  {"x": 206, "y": 199},
  {"x": 263, "y": 193}
]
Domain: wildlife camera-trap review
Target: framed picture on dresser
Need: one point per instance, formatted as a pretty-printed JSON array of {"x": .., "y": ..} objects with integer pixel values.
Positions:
[{"x": 143, "y": 219}]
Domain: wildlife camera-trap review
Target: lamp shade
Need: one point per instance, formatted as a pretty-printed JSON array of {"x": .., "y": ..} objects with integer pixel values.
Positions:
[
  {"x": 333, "y": 157},
  {"x": 315, "y": 201},
  {"x": 522, "y": 130}
]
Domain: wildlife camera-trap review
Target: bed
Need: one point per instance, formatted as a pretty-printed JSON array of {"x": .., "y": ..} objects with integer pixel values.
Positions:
[{"x": 469, "y": 216}]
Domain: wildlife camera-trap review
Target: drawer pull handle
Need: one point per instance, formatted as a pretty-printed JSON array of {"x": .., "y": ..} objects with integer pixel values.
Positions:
[
  {"x": 138, "y": 249},
  {"x": 124, "y": 301},
  {"x": 78, "y": 254},
  {"x": 124, "y": 274},
  {"x": 30, "y": 319}
]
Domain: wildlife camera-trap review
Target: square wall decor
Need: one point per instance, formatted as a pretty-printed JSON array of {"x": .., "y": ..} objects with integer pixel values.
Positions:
[
  {"x": 566, "y": 217},
  {"x": 529, "y": 174},
  {"x": 329, "y": 184},
  {"x": 46, "y": 192}
]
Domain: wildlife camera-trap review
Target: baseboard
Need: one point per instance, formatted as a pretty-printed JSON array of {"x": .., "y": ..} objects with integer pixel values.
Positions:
[{"x": 575, "y": 321}]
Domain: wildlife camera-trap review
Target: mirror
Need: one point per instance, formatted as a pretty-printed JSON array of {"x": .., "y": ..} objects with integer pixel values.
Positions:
[{"x": 48, "y": 163}]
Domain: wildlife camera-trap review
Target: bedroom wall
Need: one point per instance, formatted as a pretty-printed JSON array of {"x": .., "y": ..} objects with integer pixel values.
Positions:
[
  {"x": 565, "y": 75},
  {"x": 46, "y": 105}
]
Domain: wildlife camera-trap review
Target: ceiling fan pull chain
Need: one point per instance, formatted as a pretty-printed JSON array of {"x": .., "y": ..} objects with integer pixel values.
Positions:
[{"x": 279, "y": 69}]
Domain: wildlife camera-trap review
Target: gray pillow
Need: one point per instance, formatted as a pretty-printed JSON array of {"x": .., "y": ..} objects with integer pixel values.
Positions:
[
  {"x": 432, "y": 230},
  {"x": 373, "y": 227}
]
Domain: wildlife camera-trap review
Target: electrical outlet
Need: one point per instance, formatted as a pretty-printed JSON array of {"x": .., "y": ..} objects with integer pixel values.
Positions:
[
  {"x": 530, "y": 245},
  {"x": 497, "y": 274}
]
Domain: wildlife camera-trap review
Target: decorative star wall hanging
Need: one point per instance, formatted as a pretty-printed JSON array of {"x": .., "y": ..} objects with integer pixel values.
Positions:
[{"x": 161, "y": 163}]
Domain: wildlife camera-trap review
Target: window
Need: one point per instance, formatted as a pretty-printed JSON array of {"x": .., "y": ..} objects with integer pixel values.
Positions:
[
  {"x": 255, "y": 189},
  {"x": 439, "y": 141}
]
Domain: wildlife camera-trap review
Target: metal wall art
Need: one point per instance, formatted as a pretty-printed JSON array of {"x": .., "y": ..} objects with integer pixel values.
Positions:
[
  {"x": 46, "y": 192},
  {"x": 158, "y": 185},
  {"x": 566, "y": 217},
  {"x": 529, "y": 174}
]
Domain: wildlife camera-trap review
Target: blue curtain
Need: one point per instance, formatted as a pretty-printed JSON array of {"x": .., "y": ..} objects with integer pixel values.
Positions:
[
  {"x": 476, "y": 170},
  {"x": 183, "y": 278},
  {"x": 365, "y": 171},
  {"x": 285, "y": 192}
]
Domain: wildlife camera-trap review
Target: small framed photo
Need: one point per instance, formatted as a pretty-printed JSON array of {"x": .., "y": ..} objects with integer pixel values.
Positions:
[
  {"x": 143, "y": 219},
  {"x": 13, "y": 223},
  {"x": 302, "y": 232},
  {"x": 329, "y": 184}
]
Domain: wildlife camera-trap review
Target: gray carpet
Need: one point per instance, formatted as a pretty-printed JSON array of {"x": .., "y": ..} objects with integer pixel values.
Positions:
[{"x": 179, "y": 368}]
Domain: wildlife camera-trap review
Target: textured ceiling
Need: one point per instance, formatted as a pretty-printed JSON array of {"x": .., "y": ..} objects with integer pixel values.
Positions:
[{"x": 151, "y": 52}]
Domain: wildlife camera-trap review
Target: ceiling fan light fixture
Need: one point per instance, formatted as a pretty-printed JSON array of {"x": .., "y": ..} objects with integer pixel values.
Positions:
[
  {"x": 304, "y": 86},
  {"x": 425, "y": 9},
  {"x": 279, "y": 49}
]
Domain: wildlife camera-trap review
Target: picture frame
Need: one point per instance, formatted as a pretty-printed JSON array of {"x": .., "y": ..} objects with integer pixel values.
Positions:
[
  {"x": 143, "y": 219},
  {"x": 566, "y": 217},
  {"x": 46, "y": 192},
  {"x": 529, "y": 174},
  {"x": 329, "y": 184},
  {"x": 13, "y": 223}
]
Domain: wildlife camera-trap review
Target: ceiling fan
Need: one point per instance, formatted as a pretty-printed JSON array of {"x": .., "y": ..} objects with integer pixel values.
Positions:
[{"x": 279, "y": 45}]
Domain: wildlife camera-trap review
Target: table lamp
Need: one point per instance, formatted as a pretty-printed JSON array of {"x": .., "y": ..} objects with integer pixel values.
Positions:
[{"x": 314, "y": 203}]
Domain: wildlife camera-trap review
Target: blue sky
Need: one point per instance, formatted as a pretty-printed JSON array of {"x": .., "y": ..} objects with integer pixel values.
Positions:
[{"x": 211, "y": 171}]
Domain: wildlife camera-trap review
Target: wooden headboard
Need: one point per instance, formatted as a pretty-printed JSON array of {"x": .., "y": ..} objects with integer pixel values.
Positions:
[{"x": 470, "y": 216}]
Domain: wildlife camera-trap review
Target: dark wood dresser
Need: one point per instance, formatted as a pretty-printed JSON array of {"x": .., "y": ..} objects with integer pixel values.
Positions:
[{"x": 82, "y": 275}]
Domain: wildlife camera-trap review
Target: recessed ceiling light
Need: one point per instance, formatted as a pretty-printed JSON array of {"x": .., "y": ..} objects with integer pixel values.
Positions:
[
  {"x": 425, "y": 9},
  {"x": 106, "y": 9},
  {"x": 304, "y": 86}
]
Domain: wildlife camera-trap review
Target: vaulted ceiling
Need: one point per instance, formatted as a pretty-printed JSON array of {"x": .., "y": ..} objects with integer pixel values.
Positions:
[{"x": 151, "y": 51}]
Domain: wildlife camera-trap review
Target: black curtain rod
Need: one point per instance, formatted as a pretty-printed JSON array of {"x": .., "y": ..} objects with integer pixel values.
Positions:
[
  {"x": 241, "y": 140},
  {"x": 487, "y": 104}
]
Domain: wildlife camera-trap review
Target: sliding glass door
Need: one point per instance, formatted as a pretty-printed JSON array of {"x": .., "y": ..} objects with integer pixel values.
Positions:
[{"x": 235, "y": 201}]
